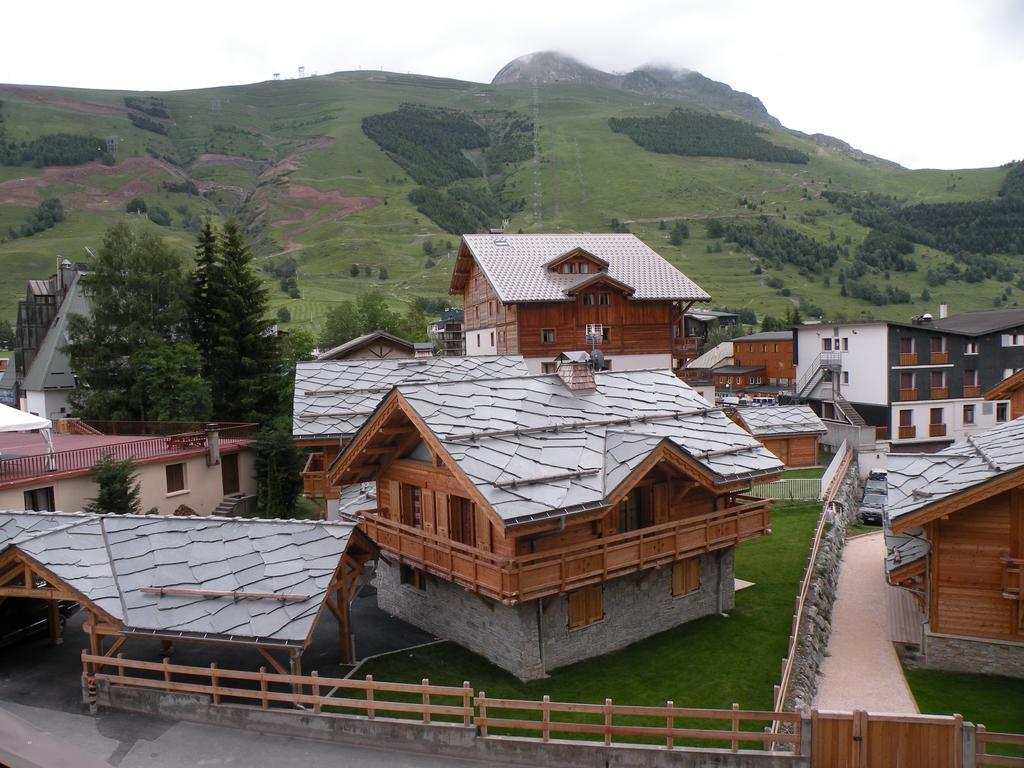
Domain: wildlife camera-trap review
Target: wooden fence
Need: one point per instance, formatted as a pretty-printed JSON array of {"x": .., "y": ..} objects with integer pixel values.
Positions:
[
  {"x": 423, "y": 702},
  {"x": 617, "y": 723},
  {"x": 267, "y": 688},
  {"x": 983, "y": 738},
  {"x": 836, "y": 738}
]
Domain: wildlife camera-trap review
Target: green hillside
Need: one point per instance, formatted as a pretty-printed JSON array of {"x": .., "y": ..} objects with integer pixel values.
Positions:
[{"x": 292, "y": 160}]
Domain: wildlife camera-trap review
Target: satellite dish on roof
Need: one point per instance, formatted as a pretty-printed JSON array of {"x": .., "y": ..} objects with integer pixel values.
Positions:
[{"x": 597, "y": 359}]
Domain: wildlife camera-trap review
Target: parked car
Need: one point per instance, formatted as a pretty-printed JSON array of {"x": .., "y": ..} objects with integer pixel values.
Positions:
[
  {"x": 872, "y": 508},
  {"x": 24, "y": 619},
  {"x": 878, "y": 486}
]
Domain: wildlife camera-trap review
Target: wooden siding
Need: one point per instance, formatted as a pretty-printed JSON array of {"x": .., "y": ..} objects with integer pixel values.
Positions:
[
  {"x": 635, "y": 327},
  {"x": 776, "y": 357},
  {"x": 794, "y": 450},
  {"x": 968, "y": 568}
]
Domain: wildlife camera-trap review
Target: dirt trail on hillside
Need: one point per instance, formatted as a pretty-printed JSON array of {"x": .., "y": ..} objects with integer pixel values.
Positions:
[{"x": 59, "y": 101}]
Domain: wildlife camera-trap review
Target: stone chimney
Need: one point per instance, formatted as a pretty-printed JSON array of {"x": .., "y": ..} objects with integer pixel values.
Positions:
[
  {"x": 576, "y": 370},
  {"x": 943, "y": 311}
]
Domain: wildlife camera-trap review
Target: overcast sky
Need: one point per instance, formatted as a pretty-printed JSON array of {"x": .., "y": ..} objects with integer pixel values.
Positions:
[{"x": 935, "y": 84}]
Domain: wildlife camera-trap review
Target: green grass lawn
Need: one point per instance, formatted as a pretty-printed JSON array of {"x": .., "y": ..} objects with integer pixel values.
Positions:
[
  {"x": 995, "y": 702},
  {"x": 795, "y": 474},
  {"x": 712, "y": 662}
]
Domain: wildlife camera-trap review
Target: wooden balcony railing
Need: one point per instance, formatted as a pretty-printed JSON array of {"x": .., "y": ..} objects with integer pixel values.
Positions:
[
  {"x": 314, "y": 477},
  {"x": 939, "y": 358},
  {"x": 972, "y": 390},
  {"x": 908, "y": 433},
  {"x": 908, "y": 394},
  {"x": 1013, "y": 577},
  {"x": 527, "y": 577},
  {"x": 936, "y": 430},
  {"x": 939, "y": 393},
  {"x": 908, "y": 358},
  {"x": 687, "y": 346}
]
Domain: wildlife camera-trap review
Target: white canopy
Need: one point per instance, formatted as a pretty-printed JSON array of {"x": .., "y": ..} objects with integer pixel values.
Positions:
[{"x": 13, "y": 420}]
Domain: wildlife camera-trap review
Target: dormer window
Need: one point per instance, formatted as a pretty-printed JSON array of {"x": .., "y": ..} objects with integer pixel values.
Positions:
[{"x": 577, "y": 262}]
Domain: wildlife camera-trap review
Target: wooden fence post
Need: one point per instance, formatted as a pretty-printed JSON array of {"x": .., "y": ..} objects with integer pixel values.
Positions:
[
  {"x": 546, "y": 717},
  {"x": 369, "y": 697},
  {"x": 263, "y": 688},
  {"x": 467, "y": 702},
  {"x": 167, "y": 672},
  {"x": 607, "y": 722},
  {"x": 120, "y": 667},
  {"x": 426, "y": 701},
  {"x": 670, "y": 721},
  {"x": 481, "y": 704},
  {"x": 213, "y": 682},
  {"x": 735, "y": 728},
  {"x": 316, "y": 691}
]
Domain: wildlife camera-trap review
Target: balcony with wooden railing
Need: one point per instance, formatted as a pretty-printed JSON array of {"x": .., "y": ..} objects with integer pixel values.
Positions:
[
  {"x": 908, "y": 394},
  {"x": 908, "y": 432},
  {"x": 315, "y": 484},
  {"x": 939, "y": 393},
  {"x": 528, "y": 577},
  {"x": 1013, "y": 577},
  {"x": 908, "y": 358},
  {"x": 972, "y": 390},
  {"x": 936, "y": 430},
  {"x": 687, "y": 346},
  {"x": 939, "y": 358}
]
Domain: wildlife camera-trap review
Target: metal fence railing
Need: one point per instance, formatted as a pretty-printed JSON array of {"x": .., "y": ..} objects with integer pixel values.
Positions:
[{"x": 790, "y": 489}]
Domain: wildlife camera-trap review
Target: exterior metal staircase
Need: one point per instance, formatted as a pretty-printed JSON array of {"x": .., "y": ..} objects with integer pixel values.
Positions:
[{"x": 824, "y": 368}]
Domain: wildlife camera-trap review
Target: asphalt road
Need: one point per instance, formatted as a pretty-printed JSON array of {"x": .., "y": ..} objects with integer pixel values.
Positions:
[{"x": 40, "y": 694}]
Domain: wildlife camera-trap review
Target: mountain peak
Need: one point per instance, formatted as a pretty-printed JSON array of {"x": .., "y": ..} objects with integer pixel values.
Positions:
[{"x": 544, "y": 67}]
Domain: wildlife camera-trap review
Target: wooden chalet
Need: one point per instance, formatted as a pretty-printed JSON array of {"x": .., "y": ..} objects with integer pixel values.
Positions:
[
  {"x": 791, "y": 432},
  {"x": 539, "y": 520},
  {"x": 535, "y": 296},
  {"x": 1011, "y": 388},
  {"x": 261, "y": 584},
  {"x": 333, "y": 398},
  {"x": 955, "y": 538}
]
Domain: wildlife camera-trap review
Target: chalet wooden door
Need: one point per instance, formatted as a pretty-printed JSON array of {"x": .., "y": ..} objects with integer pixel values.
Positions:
[{"x": 229, "y": 473}]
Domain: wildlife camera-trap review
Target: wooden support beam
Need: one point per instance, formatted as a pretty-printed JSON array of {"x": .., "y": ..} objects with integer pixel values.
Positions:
[
  {"x": 53, "y": 622},
  {"x": 117, "y": 644},
  {"x": 273, "y": 662},
  {"x": 235, "y": 594},
  {"x": 344, "y": 627}
]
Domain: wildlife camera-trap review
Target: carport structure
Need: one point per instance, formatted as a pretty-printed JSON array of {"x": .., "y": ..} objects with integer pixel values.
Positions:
[{"x": 262, "y": 584}]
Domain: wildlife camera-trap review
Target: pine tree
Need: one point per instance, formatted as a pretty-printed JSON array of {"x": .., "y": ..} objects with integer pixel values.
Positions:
[
  {"x": 118, "y": 488},
  {"x": 245, "y": 377},
  {"x": 201, "y": 299}
]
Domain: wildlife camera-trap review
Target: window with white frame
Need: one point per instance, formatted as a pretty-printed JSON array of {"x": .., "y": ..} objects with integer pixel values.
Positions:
[{"x": 970, "y": 347}]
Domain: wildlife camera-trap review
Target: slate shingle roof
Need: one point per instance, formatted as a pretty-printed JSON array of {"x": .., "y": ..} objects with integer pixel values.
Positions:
[
  {"x": 917, "y": 480},
  {"x": 334, "y": 398},
  {"x": 782, "y": 420},
  {"x": 110, "y": 558},
  {"x": 515, "y": 267},
  {"x": 572, "y": 449}
]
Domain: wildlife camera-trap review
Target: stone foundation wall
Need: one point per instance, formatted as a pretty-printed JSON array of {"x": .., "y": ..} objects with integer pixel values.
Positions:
[
  {"x": 531, "y": 639},
  {"x": 816, "y": 623},
  {"x": 984, "y": 657}
]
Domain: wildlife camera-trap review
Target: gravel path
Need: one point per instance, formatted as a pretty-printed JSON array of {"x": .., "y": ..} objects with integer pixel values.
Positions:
[{"x": 862, "y": 670}]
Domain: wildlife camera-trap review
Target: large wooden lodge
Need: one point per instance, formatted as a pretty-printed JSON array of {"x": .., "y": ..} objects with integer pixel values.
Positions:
[
  {"x": 955, "y": 538},
  {"x": 540, "y": 520},
  {"x": 535, "y": 295}
]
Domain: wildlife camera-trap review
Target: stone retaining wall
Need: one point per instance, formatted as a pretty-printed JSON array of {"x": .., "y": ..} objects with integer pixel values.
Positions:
[
  {"x": 964, "y": 654},
  {"x": 815, "y": 626}
]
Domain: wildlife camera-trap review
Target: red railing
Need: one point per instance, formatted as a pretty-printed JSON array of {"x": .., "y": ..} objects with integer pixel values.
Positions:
[{"x": 84, "y": 459}]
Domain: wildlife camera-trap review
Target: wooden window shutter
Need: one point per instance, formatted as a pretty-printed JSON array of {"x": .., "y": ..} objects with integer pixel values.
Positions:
[
  {"x": 586, "y": 606},
  {"x": 686, "y": 577}
]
